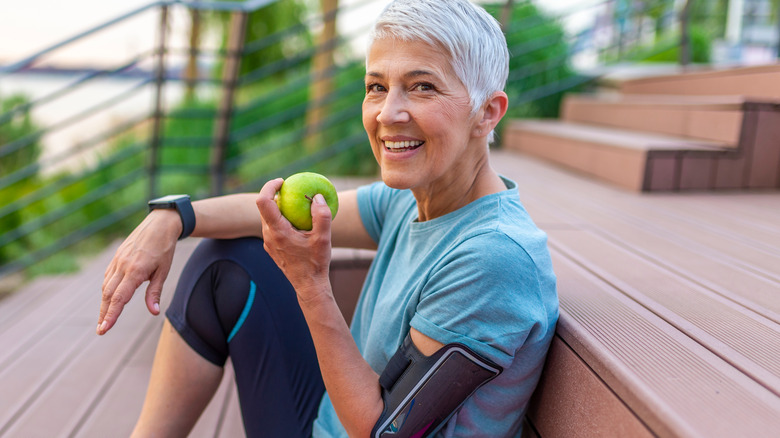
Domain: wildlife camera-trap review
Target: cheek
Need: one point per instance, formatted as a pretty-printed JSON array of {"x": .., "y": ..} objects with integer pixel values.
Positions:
[
  {"x": 455, "y": 110},
  {"x": 369, "y": 117}
]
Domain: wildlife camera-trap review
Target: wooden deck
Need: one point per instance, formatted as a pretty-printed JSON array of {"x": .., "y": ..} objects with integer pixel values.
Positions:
[{"x": 670, "y": 323}]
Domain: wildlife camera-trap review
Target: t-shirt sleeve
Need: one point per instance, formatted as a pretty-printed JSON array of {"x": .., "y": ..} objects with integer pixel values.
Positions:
[
  {"x": 484, "y": 294},
  {"x": 374, "y": 202}
]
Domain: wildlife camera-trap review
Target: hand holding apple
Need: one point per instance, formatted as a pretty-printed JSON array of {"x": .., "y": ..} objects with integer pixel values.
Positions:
[
  {"x": 297, "y": 193},
  {"x": 304, "y": 257}
]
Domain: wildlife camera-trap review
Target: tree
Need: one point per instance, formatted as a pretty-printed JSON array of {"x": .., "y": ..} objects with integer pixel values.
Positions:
[
  {"x": 265, "y": 22},
  {"x": 539, "y": 63},
  {"x": 16, "y": 126}
]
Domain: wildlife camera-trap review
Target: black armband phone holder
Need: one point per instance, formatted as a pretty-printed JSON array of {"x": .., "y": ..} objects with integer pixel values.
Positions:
[{"x": 421, "y": 393}]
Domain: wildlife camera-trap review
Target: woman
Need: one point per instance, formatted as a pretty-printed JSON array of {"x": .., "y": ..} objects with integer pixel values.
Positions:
[{"x": 458, "y": 260}]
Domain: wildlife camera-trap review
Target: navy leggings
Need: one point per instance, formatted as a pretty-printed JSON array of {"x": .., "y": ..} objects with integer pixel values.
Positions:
[{"x": 233, "y": 301}]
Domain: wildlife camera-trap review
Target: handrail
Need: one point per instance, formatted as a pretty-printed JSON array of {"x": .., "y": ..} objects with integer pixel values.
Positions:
[
  {"x": 248, "y": 6},
  {"x": 67, "y": 181},
  {"x": 14, "y": 146},
  {"x": 68, "y": 88},
  {"x": 245, "y": 138}
]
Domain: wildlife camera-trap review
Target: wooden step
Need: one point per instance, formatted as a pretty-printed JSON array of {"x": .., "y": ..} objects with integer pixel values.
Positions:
[
  {"x": 757, "y": 81},
  {"x": 669, "y": 314},
  {"x": 716, "y": 118},
  {"x": 619, "y": 156},
  {"x": 646, "y": 161},
  {"x": 65, "y": 380}
]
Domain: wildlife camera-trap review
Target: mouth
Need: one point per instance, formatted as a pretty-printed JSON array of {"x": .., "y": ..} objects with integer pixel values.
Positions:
[{"x": 402, "y": 146}]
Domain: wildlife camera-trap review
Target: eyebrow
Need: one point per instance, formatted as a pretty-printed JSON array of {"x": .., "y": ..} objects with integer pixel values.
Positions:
[{"x": 407, "y": 75}]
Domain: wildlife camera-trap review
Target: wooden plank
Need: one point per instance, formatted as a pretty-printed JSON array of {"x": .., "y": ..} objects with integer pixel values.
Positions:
[
  {"x": 697, "y": 171},
  {"x": 676, "y": 386},
  {"x": 671, "y": 243},
  {"x": 742, "y": 338},
  {"x": 120, "y": 407},
  {"x": 25, "y": 380},
  {"x": 80, "y": 365},
  {"x": 115, "y": 398},
  {"x": 614, "y": 136},
  {"x": 717, "y": 118},
  {"x": 729, "y": 237},
  {"x": 572, "y": 401},
  {"x": 754, "y": 213},
  {"x": 765, "y": 158},
  {"x": 760, "y": 81},
  {"x": 616, "y": 219},
  {"x": 15, "y": 305},
  {"x": 616, "y": 155},
  {"x": 49, "y": 296},
  {"x": 662, "y": 173}
]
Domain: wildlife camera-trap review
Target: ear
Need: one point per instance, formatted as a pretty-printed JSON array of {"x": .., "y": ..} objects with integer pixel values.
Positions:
[{"x": 493, "y": 110}]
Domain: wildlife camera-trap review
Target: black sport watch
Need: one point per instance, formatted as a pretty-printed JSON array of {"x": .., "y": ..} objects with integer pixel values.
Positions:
[{"x": 182, "y": 204}]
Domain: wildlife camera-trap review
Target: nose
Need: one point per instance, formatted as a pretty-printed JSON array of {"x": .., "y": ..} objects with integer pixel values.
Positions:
[{"x": 394, "y": 109}]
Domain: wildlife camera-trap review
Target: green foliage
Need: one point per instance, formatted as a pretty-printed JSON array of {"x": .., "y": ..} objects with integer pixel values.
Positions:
[
  {"x": 710, "y": 17},
  {"x": 268, "y": 135},
  {"x": 19, "y": 149},
  {"x": 185, "y": 150},
  {"x": 267, "y": 37},
  {"x": 539, "y": 61},
  {"x": 40, "y": 211},
  {"x": 17, "y": 128},
  {"x": 667, "y": 48}
]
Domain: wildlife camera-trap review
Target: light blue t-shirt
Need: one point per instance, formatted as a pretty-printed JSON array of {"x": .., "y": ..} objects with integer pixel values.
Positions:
[{"x": 480, "y": 275}]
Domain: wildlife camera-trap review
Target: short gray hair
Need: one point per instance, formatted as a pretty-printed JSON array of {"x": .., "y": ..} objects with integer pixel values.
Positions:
[{"x": 469, "y": 35}]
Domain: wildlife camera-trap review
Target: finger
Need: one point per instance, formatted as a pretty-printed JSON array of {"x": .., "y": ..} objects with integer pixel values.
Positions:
[
  {"x": 154, "y": 291},
  {"x": 116, "y": 303},
  {"x": 107, "y": 275},
  {"x": 269, "y": 189},
  {"x": 266, "y": 204},
  {"x": 321, "y": 216},
  {"x": 109, "y": 288}
]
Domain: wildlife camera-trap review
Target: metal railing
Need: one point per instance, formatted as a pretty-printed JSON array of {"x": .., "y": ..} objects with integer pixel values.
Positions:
[{"x": 250, "y": 126}]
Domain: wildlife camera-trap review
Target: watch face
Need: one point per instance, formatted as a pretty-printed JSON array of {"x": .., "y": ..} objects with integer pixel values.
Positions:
[{"x": 168, "y": 199}]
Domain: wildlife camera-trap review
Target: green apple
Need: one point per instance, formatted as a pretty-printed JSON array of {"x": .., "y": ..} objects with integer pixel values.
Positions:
[{"x": 297, "y": 193}]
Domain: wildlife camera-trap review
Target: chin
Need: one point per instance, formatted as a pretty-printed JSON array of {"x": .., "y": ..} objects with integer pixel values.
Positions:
[{"x": 395, "y": 181}]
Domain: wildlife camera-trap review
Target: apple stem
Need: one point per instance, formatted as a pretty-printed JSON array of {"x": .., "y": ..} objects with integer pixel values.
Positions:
[{"x": 309, "y": 198}]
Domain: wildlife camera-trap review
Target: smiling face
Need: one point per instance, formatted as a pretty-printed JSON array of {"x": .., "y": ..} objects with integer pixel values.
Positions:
[{"x": 417, "y": 114}]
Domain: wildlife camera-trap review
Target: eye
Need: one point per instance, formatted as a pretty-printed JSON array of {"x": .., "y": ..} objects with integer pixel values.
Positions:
[
  {"x": 423, "y": 86},
  {"x": 375, "y": 88}
]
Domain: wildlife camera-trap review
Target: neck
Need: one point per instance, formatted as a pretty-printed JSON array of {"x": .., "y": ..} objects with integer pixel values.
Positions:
[{"x": 456, "y": 191}]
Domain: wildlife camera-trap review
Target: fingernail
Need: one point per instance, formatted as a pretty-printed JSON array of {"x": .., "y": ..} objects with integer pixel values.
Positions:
[
  {"x": 156, "y": 307},
  {"x": 319, "y": 199},
  {"x": 102, "y": 327}
]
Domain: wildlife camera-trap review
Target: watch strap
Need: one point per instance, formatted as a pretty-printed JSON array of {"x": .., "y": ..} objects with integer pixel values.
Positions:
[
  {"x": 183, "y": 205},
  {"x": 187, "y": 214}
]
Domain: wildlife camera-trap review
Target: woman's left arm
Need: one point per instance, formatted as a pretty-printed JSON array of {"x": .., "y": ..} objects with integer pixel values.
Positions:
[{"x": 304, "y": 257}]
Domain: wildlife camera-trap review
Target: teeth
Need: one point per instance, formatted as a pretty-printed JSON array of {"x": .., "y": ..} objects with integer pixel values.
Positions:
[{"x": 402, "y": 144}]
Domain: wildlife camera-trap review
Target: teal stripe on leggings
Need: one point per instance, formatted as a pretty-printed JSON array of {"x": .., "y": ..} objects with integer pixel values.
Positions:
[{"x": 245, "y": 312}]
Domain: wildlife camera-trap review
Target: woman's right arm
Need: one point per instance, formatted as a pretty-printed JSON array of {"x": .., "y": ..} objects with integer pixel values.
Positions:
[{"x": 147, "y": 253}]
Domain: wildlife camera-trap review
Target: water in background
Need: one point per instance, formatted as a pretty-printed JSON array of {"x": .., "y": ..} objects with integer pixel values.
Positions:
[{"x": 57, "y": 141}]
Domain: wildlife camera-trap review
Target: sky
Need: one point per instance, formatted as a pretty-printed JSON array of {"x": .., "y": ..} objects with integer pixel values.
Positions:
[{"x": 29, "y": 26}]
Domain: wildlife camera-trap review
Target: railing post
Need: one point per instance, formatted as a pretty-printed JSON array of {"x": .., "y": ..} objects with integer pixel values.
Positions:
[
  {"x": 191, "y": 71},
  {"x": 506, "y": 14},
  {"x": 778, "y": 32},
  {"x": 322, "y": 75},
  {"x": 230, "y": 71},
  {"x": 685, "y": 37},
  {"x": 159, "y": 78}
]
